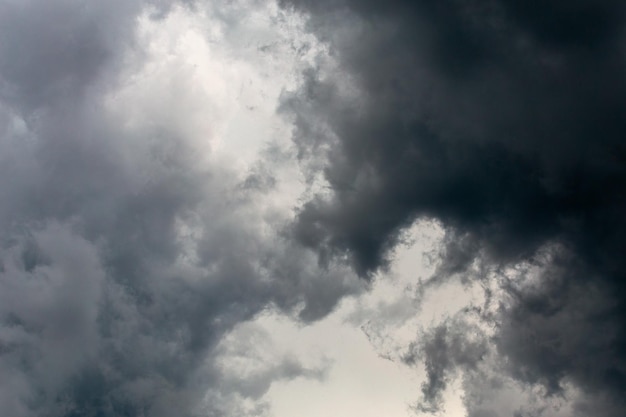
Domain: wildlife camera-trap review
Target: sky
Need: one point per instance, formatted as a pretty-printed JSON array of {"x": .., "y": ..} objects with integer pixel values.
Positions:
[{"x": 281, "y": 208}]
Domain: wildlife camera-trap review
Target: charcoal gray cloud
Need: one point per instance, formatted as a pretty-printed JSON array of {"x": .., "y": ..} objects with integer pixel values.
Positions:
[
  {"x": 124, "y": 259},
  {"x": 504, "y": 121}
]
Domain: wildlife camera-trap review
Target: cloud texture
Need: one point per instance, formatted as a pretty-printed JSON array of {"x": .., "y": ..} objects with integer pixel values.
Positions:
[
  {"x": 134, "y": 245},
  {"x": 128, "y": 251},
  {"x": 502, "y": 120}
]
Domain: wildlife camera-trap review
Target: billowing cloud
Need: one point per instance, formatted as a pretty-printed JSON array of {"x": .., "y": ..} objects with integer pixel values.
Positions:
[
  {"x": 147, "y": 188},
  {"x": 503, "y": 121},
  {"x": 131, "y": 246}
]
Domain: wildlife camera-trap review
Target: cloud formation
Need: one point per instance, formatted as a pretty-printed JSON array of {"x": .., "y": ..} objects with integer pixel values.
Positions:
[
  {"x": 128, "y": 249},
  {"x": 503, "y": 121},
  {"x": 132, "y": 248}
]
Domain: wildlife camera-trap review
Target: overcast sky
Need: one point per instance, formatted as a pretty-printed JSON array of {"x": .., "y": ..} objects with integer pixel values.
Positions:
[{"x": 302, "y": 208}]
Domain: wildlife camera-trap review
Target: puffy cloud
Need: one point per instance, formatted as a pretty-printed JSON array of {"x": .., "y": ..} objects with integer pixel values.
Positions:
[{"x": 130, "y": 248}]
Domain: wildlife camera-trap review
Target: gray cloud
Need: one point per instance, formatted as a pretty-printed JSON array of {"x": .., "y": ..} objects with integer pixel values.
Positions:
[
  {"x": 442, "y": 349},
  {"x": 125, "y": 259},
  {"x": 501, "y": 120}
]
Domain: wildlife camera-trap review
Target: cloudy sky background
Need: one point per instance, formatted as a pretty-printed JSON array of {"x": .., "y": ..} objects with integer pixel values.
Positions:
[{"x": 344, "y": 208}]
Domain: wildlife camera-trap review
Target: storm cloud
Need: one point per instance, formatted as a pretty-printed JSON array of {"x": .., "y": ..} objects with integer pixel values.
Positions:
[
  {"x": 126, "y": 254},
  {"x": 503, "y": 121},
  {"x": 135, "y": 249}
]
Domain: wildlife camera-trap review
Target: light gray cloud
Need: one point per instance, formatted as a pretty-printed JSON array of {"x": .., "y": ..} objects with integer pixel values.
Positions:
[{"x": 126, "y": 255}]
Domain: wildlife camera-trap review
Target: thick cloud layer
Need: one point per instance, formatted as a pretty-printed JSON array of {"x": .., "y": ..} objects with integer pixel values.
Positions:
[
  {"x": 504, "y": 121},
  {"x": 130, "y": 252},
  {"x": 126, "y": 253}
]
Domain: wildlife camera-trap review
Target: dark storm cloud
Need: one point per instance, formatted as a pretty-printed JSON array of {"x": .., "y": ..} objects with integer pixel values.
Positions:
[
  {"x": 123, "y": 259},
  {"x": 504, "y": 121}
]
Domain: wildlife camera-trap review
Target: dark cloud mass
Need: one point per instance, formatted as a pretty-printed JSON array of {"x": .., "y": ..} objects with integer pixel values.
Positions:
[
  {"x": 504, "y": 120},
  {"x": 127, "y": 259},
  {"x": 124, "y": 259}
]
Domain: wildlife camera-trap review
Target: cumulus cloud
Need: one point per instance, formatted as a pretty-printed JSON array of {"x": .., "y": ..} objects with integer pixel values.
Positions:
[
  {"x": 501, "y": 120},
  {"x": 129, "y": 248}
]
